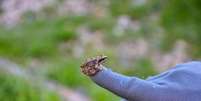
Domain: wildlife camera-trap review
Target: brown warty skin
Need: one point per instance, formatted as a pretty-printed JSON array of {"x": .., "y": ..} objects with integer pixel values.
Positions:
[{"x": 93, "y": 65}]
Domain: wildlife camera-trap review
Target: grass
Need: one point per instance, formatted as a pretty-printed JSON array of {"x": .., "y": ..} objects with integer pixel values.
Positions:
[{"x": 13, "y": 88}]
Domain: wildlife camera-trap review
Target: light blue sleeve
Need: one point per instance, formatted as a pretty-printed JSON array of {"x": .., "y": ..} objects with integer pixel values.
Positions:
[
  {"x": 179, "y": 84},
  {"x": 130, "y": 88}
]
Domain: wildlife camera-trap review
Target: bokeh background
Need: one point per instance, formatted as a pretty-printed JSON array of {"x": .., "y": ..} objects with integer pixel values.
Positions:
[{"x": 43, "y": 43}]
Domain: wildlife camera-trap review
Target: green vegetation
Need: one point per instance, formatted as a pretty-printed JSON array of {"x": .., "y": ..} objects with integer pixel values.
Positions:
[
  {"x": 13, "y": 88},
  {"x": 39, "y": 38},
  {"x": 182, "y": 20}
]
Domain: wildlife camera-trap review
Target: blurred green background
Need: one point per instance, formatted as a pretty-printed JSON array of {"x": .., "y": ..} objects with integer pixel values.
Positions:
[{"x": 49, "y": 39}]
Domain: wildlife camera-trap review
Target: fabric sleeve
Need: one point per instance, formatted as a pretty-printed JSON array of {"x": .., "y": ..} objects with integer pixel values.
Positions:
[{"x": 130, "y": 88}]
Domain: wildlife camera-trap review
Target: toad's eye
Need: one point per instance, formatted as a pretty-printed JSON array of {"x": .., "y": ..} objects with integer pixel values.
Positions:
[{"x": 91, "y": 63}]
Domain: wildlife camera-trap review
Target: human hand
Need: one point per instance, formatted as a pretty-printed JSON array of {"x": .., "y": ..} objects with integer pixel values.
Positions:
[{"x": 93, "y": 65}]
